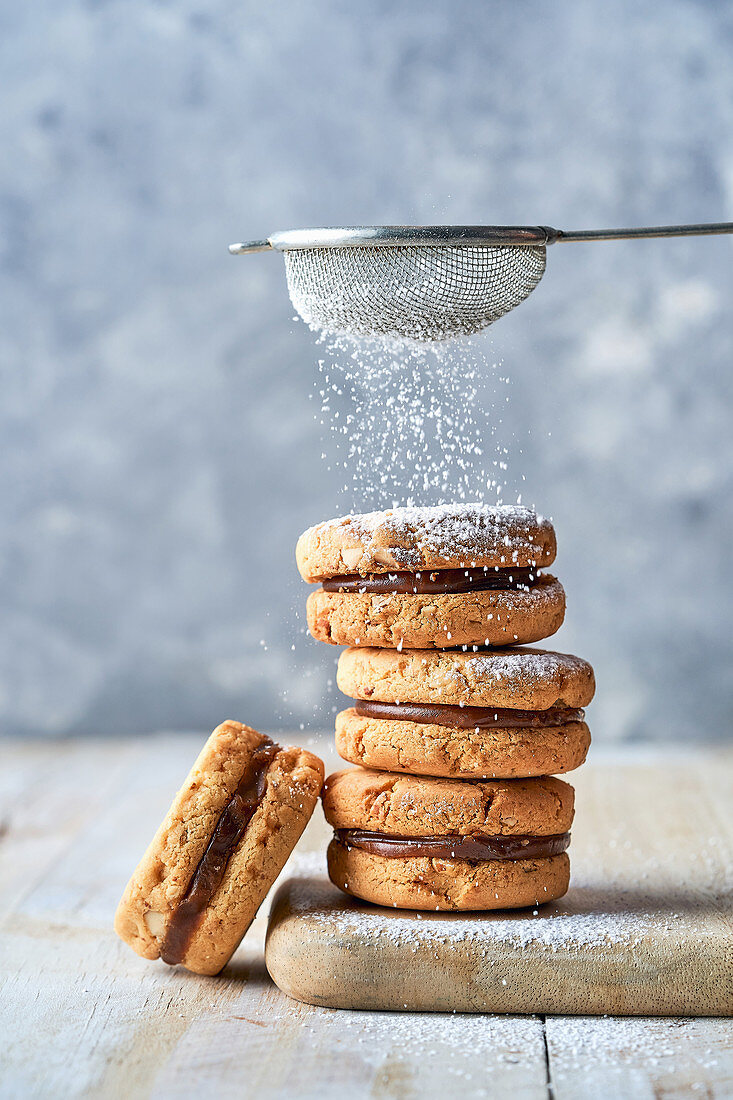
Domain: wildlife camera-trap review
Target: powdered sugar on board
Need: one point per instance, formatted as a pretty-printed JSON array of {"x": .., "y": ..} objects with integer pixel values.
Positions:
[{"x": 587, "y": 918}]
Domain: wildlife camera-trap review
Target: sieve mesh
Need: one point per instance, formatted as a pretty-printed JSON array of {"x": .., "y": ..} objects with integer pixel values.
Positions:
[{"x": 420, "y": 293}]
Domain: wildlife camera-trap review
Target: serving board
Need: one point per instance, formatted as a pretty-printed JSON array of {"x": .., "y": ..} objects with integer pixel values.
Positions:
[{"x": 645, "y": 929}]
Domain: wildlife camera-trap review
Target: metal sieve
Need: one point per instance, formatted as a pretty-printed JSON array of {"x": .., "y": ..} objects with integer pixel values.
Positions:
[{"x": 424, "y": 282}]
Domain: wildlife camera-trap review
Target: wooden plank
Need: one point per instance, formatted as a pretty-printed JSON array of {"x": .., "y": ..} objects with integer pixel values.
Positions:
[
  {"x": 83, "y": 1016},
  {"x": 21, "y": 764},
  {"x": 57, "y": 952},
  {"x": 49, "y": 793},
  {"x": 686, "y": 844},
  {"x": 86, "y": 1017},
  {"x": 640, "y": 1058},
  {"x": 293, "y": 1050}
]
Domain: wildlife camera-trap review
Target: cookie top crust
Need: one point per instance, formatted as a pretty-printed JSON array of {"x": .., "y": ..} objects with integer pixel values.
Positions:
[
  {"x": 523, "y": 678},
  {"x": 412, "y": 805},
  {"x": 445, "y": 536}
]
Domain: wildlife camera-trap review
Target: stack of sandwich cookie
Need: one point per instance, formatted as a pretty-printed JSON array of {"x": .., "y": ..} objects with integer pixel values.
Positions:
[
  {"x": 221, "y": 846},
  {"x": 454, "y": 727}
]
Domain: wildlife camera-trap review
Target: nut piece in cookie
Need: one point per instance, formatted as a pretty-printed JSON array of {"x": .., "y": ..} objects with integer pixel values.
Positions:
[
  {"x": 444, "y": 576},
  {"x": 222, "y": 844},
  {"x": 415, "y": 843}
]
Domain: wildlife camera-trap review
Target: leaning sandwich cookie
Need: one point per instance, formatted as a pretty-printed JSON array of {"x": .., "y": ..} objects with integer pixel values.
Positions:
[
  {"x": 222, "y": 844},
  {"x": 434, "y": 577},
  {"x": 505, "y": 714},
  {"x": 437, "y": 844}
]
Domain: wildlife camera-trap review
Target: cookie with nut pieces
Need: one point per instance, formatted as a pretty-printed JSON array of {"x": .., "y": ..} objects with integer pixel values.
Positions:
[
  {"x": 441, "y": 576},
  {"x": 502, "y": 714},
  {"x": 411, "y": 842},
  {"x": 222, "y": 844}
]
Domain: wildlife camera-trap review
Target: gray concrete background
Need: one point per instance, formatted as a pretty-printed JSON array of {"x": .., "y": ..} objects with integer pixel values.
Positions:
[{"x": 159, "y": 451}]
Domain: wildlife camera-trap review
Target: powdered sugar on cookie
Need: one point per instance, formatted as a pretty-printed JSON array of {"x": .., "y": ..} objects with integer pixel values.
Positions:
[
  {"x": 531, "y": 666},
  {"x": 444, "y": 536},
  {"x": 452, "y": 530}
]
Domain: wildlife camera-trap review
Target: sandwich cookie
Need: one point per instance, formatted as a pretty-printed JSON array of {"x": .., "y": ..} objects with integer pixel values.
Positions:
[
  {"x": 444, "y": 576},
  {"x": 464, "y": 715},
  {"x": 222, "y": 844},
  {"x": 415, "y": 843}
]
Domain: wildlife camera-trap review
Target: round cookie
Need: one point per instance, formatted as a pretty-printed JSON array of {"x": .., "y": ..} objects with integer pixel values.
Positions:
[
  {"x": 222, "y": 844},
  {"x": 424, "y": 748},
  {"x": 412, "y": 805},
  {"x": 447, "y": 885},
  {"x": 433, "y": 825},
  {"x": 421, "y": 620},
  {"x": 451, "y": 575},
  {"x": 445, "y": 536},
  {"x": 523, "y": 678}
]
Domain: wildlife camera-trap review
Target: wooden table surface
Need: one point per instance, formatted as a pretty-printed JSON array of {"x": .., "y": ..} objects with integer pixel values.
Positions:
[{"x": 81, "y": 1015}]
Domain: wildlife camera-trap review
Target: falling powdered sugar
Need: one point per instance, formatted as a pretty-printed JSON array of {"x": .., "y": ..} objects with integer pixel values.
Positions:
[{"x": 413, "y": 422}]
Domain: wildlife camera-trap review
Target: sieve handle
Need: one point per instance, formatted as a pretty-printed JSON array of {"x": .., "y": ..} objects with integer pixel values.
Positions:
[
  {"x": 702, "y": 230},
  {"x": 249, "y": 246}
]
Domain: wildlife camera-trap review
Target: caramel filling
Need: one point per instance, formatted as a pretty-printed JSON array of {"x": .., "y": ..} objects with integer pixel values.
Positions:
[
  {"x": 475, "y": 848},
  {"x": 434, "y": 581},
  {"x": 228, "y": 832},
  {"x": 468, "y": 718}
]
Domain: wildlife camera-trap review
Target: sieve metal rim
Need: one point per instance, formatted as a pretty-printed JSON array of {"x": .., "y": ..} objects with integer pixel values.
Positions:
[
  {"x": 462, "y": 236},
  {"x": 404, "y": 236}
]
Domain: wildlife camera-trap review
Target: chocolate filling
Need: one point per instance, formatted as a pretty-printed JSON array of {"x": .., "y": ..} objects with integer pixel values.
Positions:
[
  {"x": 228, "y": 831},
  {"x": 434, "y": 581},
  {"x": 468, "y": 718},
  {"x": 475, "y": 849}
]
